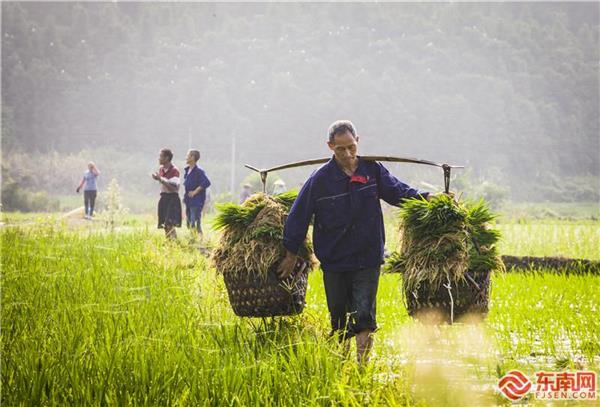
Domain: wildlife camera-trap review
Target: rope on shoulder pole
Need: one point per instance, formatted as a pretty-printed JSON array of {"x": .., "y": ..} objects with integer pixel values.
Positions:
[{"x": 446, "y": 167}]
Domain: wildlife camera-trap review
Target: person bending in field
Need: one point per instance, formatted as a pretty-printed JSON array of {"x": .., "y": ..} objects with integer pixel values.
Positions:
[
  {"x": 169, "y": 205},
  {"x": 90, "y": 189},
  {"x": 196, "y": 182},
  {"x": 344, "y": 196}
]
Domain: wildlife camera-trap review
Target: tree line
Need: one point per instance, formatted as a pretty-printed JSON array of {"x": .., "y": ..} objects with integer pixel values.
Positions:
[{"x": 510, "y": 90}]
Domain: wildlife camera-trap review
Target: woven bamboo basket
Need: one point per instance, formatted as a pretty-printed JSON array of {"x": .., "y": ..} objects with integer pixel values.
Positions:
[
  {"x": 467, "y": 297},
  {"x": 253, "y": 295}
]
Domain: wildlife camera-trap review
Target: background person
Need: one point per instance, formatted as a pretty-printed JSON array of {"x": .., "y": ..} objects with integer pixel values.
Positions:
[
  {"x": 90, "y": 189},
  {"x": 246, "y": 193},
  {"x": 279, "y": 187},
  {"x": 196, "y": 183},
  {"x": 169, "y": 204}
]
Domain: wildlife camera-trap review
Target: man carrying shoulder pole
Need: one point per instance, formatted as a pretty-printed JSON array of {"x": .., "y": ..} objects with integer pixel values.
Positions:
[{"x": 348, "y": 233}]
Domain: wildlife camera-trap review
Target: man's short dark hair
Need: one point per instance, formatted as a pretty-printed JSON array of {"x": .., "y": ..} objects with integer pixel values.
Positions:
[
  {"x": 340, "y": 127},
  {"x": 195, "y": 154},
  {"x": 167, "y": 153}
]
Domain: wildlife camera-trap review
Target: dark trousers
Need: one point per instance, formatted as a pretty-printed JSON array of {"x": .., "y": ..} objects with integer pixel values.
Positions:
[
  {"x": 193, "y": 216},
  {"x": 351, "y": 299},
  {"x": 89, "y": 200}
]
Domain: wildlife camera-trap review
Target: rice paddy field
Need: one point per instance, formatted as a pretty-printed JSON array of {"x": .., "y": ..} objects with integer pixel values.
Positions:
[{"x": 92, "y": 317}]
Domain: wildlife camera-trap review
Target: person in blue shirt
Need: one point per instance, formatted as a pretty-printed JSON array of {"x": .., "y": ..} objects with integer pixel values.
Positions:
[
  {"x": 196, "y": 182},
  {"x": 342, "y": 198},
  {"x": 90, "y": 189}
]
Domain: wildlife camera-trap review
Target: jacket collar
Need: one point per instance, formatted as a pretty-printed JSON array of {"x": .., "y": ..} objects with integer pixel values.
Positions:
[
  {"x": 187, "y": 169},
  {"x": 338, "y": 174}
]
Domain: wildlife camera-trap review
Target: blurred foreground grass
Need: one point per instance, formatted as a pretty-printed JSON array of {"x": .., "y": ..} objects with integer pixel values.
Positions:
[{"x": 90, "y": 317}]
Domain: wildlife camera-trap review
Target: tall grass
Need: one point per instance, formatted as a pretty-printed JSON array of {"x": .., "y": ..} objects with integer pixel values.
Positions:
[
  {"x": 551, "y": 238},
  {"x": 97, "y": 318},
  {"x": 125, "y": 319}
]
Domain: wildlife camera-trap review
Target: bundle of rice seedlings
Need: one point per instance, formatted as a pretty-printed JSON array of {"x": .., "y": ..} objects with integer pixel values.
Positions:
[
  {"x": 442, "y": 239},
  {"x": 252, "y": 237}
]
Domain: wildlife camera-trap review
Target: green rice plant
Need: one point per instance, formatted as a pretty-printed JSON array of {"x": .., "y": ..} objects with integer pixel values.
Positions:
[
  {"x": 91, "y": 318},
  {"x": 114, "y": 213},
  {"x": 572, "y": 239},
  {"x": 122, "y": 319},
  {"x": 253, "y": 234},
  {"x": 233, "y": 216},
  {"x": 442, "y": 239}
]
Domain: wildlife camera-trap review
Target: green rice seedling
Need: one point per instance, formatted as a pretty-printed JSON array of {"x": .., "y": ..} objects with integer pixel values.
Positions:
[
  {"x": 442, "y": 239},
  {"x": 572, "y": 239},
  {"x": 92, "y": 318},
  {"x": 253, "y": 234}
]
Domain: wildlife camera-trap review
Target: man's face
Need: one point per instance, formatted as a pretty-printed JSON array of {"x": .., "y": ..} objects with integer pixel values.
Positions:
[
  {"x": 162, "y": 159},
  {"x": 344, "y": 147},
  {"x": 190, "y": 159}
]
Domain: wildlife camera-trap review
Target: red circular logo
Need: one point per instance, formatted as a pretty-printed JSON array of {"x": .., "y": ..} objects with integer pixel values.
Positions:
[{"x": 514, "y": 385}]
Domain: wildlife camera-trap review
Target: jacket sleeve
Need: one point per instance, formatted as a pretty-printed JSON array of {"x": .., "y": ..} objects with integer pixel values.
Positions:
[
  {"x": 203, "y": 180},
  {"x": 394, "y": 191},
  {"x": 296, "y": 225}
]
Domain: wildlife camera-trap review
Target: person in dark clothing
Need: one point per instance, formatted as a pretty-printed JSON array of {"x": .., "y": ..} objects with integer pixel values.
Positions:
[
  {"x": 169, "y": 205},
  {"x": 90, "y": 189},
  {"x": 344, "y": 196},
  {"x": 195, "y": 182}
]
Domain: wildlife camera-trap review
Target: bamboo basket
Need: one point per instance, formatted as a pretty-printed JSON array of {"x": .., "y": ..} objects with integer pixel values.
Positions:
[
  {"x": 253, "y": 295},
  {"x": 467, "y": 297}
]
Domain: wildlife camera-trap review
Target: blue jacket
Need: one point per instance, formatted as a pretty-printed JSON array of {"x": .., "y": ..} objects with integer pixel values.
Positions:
[
  {"x": 348, "y": 230},
  {"x": 192, "y": 179}
]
